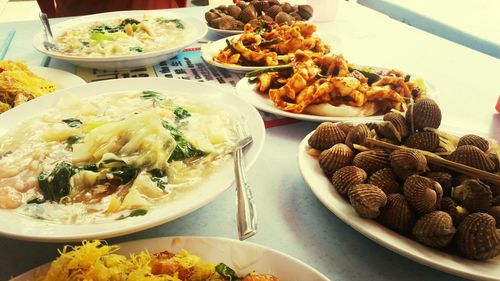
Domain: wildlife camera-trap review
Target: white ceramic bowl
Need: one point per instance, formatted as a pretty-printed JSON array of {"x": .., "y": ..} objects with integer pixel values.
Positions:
[
  {"x": 122, "y": 61},
  {"x": 16, "y": 225}
]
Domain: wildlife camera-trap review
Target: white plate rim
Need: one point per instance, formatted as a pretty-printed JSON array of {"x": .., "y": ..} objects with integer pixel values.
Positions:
[
  {"x": 223, "y": 32},
  {"x": 324, "y": 191},
  {"x": 246, "y": 91},
  {"x": 62, "y": 79},
  {"x": 176, "y": 243},
  {"x": 26, "y": 228},
  {"x": 198, "y": 25}
]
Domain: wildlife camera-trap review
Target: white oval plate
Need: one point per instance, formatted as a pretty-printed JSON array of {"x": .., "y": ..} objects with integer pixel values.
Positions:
[
  {"x": 124, "y": 61},
  {"x": 17, "y": 226},
  {"x": 325, "y": 192},
  {"x": 243, "y": 257},
  {"x": 62, "y": 79},
  {"x": 246, "y": 91},
  {"x": 222, "y": 32},
  {"x": 211, "y": 49}
]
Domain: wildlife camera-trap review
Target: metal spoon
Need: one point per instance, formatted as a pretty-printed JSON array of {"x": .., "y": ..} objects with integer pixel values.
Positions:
[
  {"x": 49, "y": 39},
  {"x": 246, "y": 217}
]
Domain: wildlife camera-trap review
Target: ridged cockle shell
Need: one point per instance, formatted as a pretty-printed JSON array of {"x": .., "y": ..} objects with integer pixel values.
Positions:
[
  {"x": 477, "y": 237},
  {"x": 346, "y": 177},
  {"x": 428, "y": 141},
  {"x": 407, "y": 162},
  {"x": 372, "y": 160},
  {"x": 326, "y": 135},
  {"x": 424, "y": 113},
  {"x": 474, "y": 140},
  {"x": 434, "y": 229},
  {"x": 357, "y": 135},
  {"x": 472, "y": 156},
  {"x": 386, "y": 180},
  {"x": 367, "y": 199},
  {"x": 397, "y": 213},
  {"x": 399, "y": 123},
  {"x": 474, "y": 195},
  {"x": 334, "y": 158},
  {"x": 422, "y": 193}
]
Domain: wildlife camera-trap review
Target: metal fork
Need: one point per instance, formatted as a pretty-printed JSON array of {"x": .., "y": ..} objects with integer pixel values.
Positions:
[
  {"x": 49, "y": 39},
  {"x": 246, "y": 215}
]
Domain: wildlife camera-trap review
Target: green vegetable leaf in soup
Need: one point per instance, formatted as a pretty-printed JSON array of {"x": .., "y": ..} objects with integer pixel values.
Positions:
[
  {"x": 181, "y": 113},
  {"x": 226, "y": 272},
  {"x": 73, "y": 122},
  {"x": 56, "y": 184}
]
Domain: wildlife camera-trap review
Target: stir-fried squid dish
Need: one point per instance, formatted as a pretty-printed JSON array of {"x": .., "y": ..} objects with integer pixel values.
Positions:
[
  {"x": 94, "y": 260},
  {"x": 269, "y": 44},
  {"x": 112, "y": 156},
  {"x": 328, "y": 85},
  {"x": 125, "y": 36}
]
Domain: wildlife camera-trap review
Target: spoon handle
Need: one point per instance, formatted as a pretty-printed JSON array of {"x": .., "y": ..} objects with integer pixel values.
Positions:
[
  {"x": 46, "y": 26},
  {"x": 247, "y": 225}
]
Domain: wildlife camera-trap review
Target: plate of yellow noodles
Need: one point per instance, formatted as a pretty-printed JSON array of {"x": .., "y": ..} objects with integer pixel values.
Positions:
[
  {"x": 173, "y": 259},
  {"x": 20, "y": 83}
]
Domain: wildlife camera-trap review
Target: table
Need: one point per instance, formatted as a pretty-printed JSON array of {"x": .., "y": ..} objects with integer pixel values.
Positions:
[
  {"x": 474, "y": 24},
  {"x": 291, "y": 219}
]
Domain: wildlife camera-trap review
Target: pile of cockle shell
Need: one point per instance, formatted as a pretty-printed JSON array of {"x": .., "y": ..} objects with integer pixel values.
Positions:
[
  {"x": 234, "y": 17},
  {"x": 398, "y": 188}
]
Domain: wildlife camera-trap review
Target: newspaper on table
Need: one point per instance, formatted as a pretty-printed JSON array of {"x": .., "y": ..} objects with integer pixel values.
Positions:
[{"x": 187, "y": 65}]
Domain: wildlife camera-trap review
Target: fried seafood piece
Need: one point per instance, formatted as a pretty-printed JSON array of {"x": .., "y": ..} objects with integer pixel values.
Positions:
[
  {"x": 268, "y": 43},
  {"x": 328, "y": 79}
]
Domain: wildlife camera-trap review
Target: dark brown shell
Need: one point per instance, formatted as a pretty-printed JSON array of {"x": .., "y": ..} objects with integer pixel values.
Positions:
[
  {"x": 496, "y": 201},
  {"x": 397, "y": 213},
  {"x": 283, "y": 18},
  {"x": 209, "y": 16},
  {"x": 399, "y": 123},
  {"x": 248, "y": 14},
  {"x": 387, "y": 130},
  {"x": 372, "y": 160},
  {"x": 305, "y": 11},
  {"x": 443, "y": 178},
  {"x": 234, "y": 11},
  {"x": 357, "y": 135},
  {"x": 477, "y": 237},
  {"x": 407, "y": 162},
  {"x": 422, "y": 193},
  {"x": 326, "y": 135},
  {"x": 228, "y": 23},
  {"x": 367, "y": 199},
  {"x": 334, "y": 158},
  {"x": 346, "y": 177},
  {"x": 457, "y": 213},
  {"x": 273, "y": 11},
  {"x": 474, "y": 140},
  {"x": 265, "y": 18},
  {"x": 472, "y": 156},
  {"x": 296, "y": 16},
  {"x": 287, "y": 7},
  {"x": 435, "y": 229},
  {"x": 345, "y": 126},
  {"x": 424, "y": 113},
  {"x": 386, "y": 180},
  {"x": 242, "y": 5},
  {"x": 495, "y": 213},
  {"x": 261, "y": 6},
  {"x": 474, "y": 195},
  {"x": 428, "y": 141}
]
